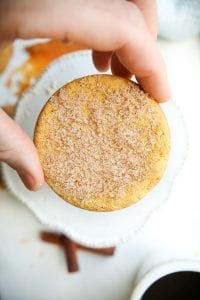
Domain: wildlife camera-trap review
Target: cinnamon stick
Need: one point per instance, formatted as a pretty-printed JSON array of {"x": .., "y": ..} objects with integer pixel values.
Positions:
[
  {"x": 51, "y": 237},
  {"x": 104, "y": 251},
  {"x": 55, "y": 238},
  {"x": 70, "y": 253},
  {"x": 70, "y": 248}
]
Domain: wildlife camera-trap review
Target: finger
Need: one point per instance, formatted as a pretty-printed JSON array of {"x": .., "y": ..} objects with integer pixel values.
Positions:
[
  {"x": 136, "y": 50},
  {"x": 149, "y": 11},
  {"x": 120, "y": 25},
  {"x": 147, "y": 65},
  {"x": 18, "y": 151},
  {"x": 118, "y": 69},
  {"x": 101, "y": 60}
]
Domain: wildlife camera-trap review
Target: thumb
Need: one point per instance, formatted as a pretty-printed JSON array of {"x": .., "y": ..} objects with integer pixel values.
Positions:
[{"x": 19, "y": 152}]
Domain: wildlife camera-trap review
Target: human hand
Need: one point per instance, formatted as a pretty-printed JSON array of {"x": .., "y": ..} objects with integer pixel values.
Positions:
[
  {"x": 18, "y": 151},
  {"x": 120, "y": 32}
]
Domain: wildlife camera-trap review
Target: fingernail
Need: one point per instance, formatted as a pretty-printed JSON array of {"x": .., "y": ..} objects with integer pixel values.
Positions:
[
  {"x": 102, "y": 69},
  {"x": 30, "y": 182}
]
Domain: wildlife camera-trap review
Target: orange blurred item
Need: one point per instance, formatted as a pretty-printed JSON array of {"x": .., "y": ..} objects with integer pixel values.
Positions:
[
  {"x": 40, "y": 55},
  {"x": 9, "y": 109},
  {"x": 6, "y": 50},
  {"x": 1, "y": 184}
]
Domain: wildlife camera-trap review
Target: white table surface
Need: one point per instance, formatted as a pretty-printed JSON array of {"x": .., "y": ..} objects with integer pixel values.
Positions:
[{"x": 33, "y": 270}]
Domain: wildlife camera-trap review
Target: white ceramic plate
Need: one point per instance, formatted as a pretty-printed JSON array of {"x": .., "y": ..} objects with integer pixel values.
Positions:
[{"x": 90, "y": 228}]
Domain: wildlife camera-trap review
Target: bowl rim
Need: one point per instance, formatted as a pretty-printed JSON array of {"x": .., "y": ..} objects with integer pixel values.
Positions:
[{"x": 161, "y": 270}]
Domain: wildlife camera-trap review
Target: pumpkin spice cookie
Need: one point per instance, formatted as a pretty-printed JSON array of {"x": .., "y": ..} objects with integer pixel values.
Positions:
[{"x": 103, "y": 143}]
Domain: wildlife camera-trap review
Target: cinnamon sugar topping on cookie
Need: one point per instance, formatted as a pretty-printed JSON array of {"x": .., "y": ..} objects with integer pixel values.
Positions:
[{"x": 99, "y": 138}]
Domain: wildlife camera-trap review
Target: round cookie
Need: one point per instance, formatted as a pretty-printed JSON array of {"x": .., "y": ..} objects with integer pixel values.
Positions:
[{"x": 103, "y": 143}]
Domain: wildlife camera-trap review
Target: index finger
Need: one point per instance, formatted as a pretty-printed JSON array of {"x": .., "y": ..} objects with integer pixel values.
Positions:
[{"x": 140, "y": 56}]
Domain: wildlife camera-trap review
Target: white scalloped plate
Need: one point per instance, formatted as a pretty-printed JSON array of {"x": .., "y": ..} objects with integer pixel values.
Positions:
[{"x": 90, "y": 228}]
